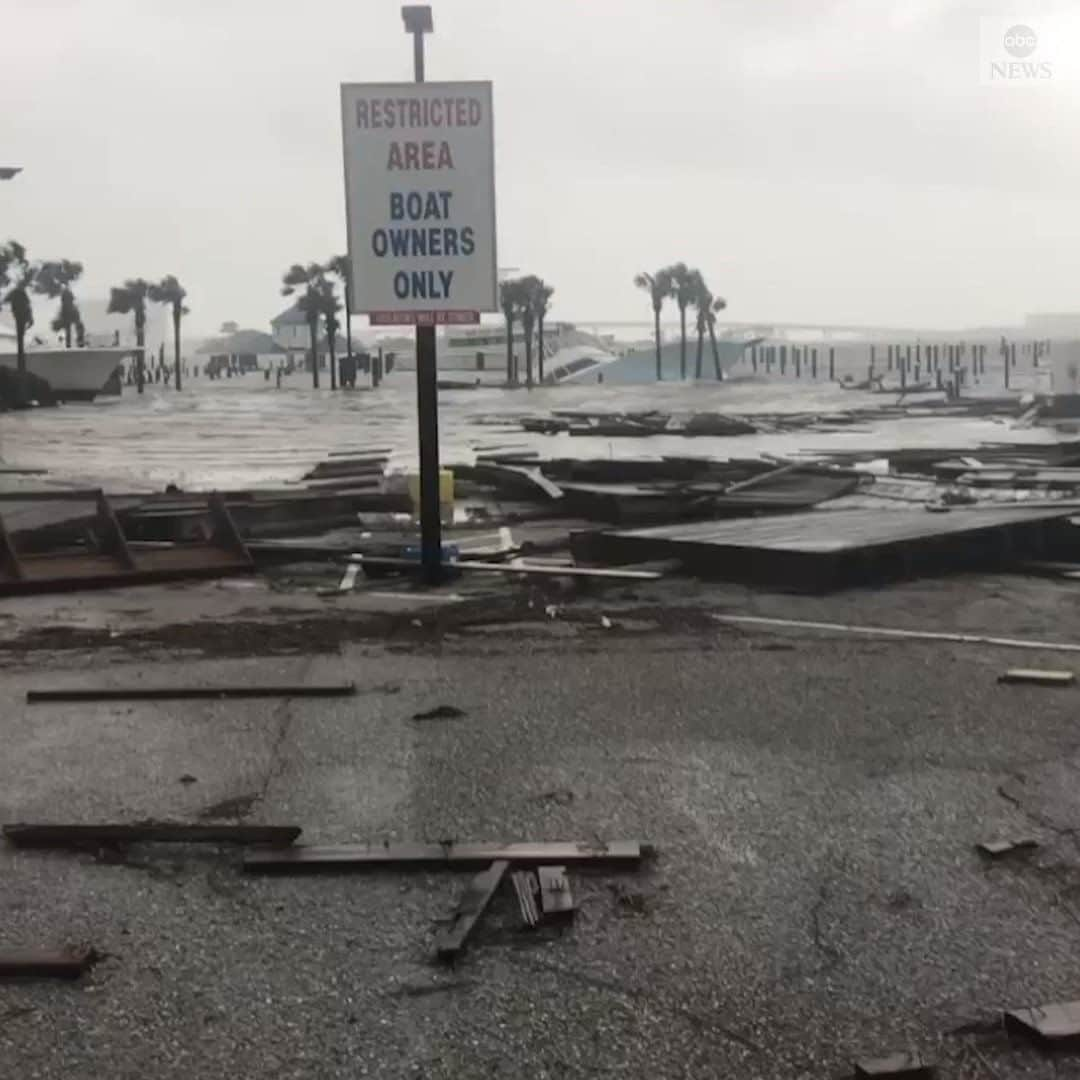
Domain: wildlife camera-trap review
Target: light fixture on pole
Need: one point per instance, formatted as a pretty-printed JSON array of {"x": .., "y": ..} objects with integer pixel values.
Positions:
[{"x": 8, "y": 172}]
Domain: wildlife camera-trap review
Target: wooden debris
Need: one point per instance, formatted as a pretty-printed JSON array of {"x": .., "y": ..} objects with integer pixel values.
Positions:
[
  {"x": 1056, "y": 1025},
  {"x": 45, "y": 964},
  {"x": 92, "y": 837},
  {"x": 336, "y": 858},
  {"x": 899, "y": 1066},
  {"x": 441, "y": 712},
  {"x": 526, "y": 887},
  {"x": 451, "y": 940},
  {"x": 183, "y": 693},
  {"x": 995, "y": 849},
  {"x": 1039, "y": 678},
  {"x": 556, "y": 900},
  {"x": 889, "y": 632}
]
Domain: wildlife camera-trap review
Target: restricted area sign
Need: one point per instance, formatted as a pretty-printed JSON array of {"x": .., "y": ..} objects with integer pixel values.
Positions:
[{"x": 420, "y": 199}]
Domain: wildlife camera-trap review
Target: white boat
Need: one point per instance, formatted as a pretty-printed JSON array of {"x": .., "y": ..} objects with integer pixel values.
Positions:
[
  {"x": 73, "y": 374},
  {"x": 476, "y": 355}
]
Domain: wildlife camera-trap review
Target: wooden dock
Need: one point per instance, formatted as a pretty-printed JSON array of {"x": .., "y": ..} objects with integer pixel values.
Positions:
[{"x": 828, "y": 549}]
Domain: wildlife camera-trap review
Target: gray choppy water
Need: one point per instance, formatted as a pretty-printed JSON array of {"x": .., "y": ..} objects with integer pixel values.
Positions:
[{"x": 246, "y": 433}]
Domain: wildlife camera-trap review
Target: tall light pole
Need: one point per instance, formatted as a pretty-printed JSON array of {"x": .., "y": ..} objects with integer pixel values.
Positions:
[{"x": 418, "y": 22}]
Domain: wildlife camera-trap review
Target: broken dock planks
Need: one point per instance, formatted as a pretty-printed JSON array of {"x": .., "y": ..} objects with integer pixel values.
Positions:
[
  {"x": 307, "y": 859},
  {"x": 46, "y": 964},
  {"x": 452, "y": 938},
  {"x": 1037, "y": 677},
  {"x": 91, "y": 837},
  {"x": 826, "y": 550},
  {"x": 185, "y": 693}
]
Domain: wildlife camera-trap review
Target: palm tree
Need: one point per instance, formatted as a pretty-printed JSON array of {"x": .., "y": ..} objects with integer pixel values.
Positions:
[
  {"x": 16, "y": 270},
  {"x": 310, "y": 302},
  {"x": 169, "y": 291},
  {"x": 683, "y": 285},
  {"x": 510, "y": 302},
  {"x": 341, "y": 266},
  {"x": 718, "y": 304},
  {"x": 702, "y": 301},
  {"x": 541, "y": 298},
  {"x": 330, "y": 308},
  {"x": 130, "y": 299},
  {"x": 528, "y": 287},
  {"x": 658, "y": 286},
  {"x": 54, "y": 280}
]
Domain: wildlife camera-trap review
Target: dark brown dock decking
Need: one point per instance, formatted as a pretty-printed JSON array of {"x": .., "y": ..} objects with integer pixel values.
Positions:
[{"x": 827, "y": 549}]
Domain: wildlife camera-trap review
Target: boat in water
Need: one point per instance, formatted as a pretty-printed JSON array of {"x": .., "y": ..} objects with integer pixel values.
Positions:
[
  {"x": 72, "y": 374},
  {"x": 476, "y": 356}
]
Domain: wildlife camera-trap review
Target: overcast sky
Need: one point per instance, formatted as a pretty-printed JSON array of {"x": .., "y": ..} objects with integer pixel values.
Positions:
[{"x": 819, "y": 160}]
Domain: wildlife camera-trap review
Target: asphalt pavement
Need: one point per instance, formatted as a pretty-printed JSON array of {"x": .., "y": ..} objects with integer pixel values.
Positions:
[{"x": 814, "y": 800}]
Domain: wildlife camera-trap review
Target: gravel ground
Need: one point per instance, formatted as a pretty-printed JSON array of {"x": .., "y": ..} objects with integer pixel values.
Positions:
[{"x": 813, "y": 798}]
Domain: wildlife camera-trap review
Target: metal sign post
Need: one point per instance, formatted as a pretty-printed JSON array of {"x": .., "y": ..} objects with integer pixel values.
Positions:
[
  {"x": 420, "y": 202},
  {"x": 418, "y": 21}
]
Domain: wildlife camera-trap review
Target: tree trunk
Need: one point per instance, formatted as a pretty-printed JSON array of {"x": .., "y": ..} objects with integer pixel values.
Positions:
[
  {"x": 659, "y": 356},
  {"x": 140, "y": 377},
  {"x": 330, "y": 335},
  {"x": 20, "y": 346},
  {"x": 348, "y": 329},
  {"x": 700, "y": 349},
  {"x": 313, "y": 328},
  {"x": 176, "y": 343},
  {"x": 509, "y": 350},
  {"x": 540, "y": 348},
  {"x": 67, "y": 334},
  {"x": 715, "y": 352},
  {"x": 527, "y": 327},
  {"x": 682, "y": 342}
]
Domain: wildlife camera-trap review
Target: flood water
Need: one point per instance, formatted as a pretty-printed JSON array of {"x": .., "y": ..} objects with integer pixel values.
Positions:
[{"x": 245, "y": 432}]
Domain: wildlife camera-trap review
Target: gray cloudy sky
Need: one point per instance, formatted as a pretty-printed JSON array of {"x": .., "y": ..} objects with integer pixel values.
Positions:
[{"x": 820, "y": 160}]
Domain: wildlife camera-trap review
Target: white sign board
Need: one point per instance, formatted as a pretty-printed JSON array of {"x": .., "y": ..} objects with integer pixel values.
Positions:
[{"x": 420, "y": 199}]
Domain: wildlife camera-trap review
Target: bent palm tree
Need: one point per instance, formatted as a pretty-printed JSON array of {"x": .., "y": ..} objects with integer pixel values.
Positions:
[
  {"x": 702, "y": 302},
  {"x": 341, "y": 266},
  {"x": 310, "y": 302},
  {"x": 683, "y": 286},
  {"x": 528, "y": 286},
  {"x": 16, "y": 270},
  {"x": 718, "y": 304},
  {"x": 54, "y": 280},
  {"x": 169, "y": 291},
  {"x": 130, "y": 299},
  {"x": 541, "y": 301},
  {"x": 658, "y": 286}
]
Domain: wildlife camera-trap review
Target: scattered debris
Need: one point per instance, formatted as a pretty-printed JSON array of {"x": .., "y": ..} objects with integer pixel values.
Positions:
[
  {"x": 995, "y": 849},
  {"x": 451, "y": 940},
  {"x": 308, "y": 858},
  {"x": 527, "y": 889},
  {"x": 825, "y": 551},
  {"x": 1040, "y": 678},
  {"x": 183, "y": 693},
  {"x": 556, "y": 901},
  {"x": 92, "y": 837},
  {"x": 1055, "y": 1026},
  {"x": 441, "y": 712},
  {"x": 106, "y": 558},
  {"x": 900, "y": 1066},
  {"x": 68, "y": 963},
  {"x": 888, "y": 632},
  {"x": 605, "y": 622}
]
